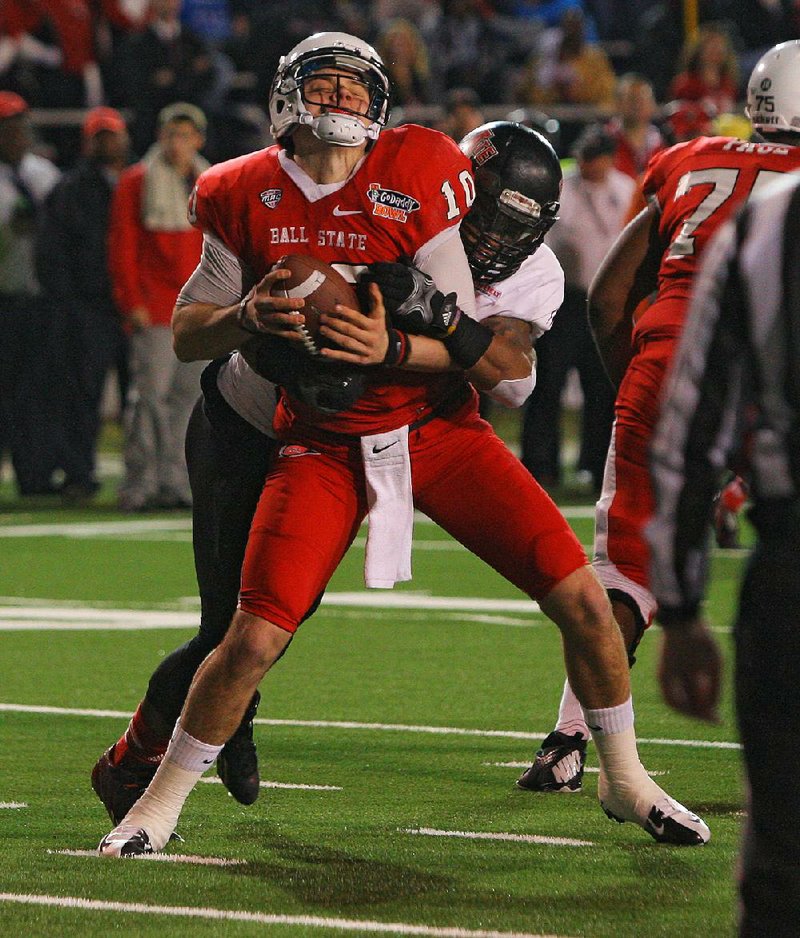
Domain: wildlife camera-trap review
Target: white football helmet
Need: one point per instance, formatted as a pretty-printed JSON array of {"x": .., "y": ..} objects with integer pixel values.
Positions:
[
  {"x": 287, "y": 106},
  {"x": 773, "y": 91}
]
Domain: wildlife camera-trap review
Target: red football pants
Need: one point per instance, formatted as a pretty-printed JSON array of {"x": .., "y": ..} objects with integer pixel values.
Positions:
[
  {"x": 621, "y": 556},
  {"x": 463, "y": 477}
]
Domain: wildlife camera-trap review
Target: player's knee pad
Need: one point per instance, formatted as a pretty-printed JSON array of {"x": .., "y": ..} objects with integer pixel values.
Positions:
[{"x": 632, "y": 643}]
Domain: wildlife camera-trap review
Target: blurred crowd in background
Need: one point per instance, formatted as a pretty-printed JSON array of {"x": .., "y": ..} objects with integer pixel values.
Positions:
[
  {"x": 88, "y": 90},
  {"x": 139, "y": 55}
]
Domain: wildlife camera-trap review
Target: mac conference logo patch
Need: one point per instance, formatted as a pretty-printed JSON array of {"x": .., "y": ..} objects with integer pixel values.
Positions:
[{"x": 271, "y": 197}]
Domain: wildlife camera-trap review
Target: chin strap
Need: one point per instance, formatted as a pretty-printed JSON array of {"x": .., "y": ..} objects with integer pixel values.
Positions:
[{"x": 342, "y": 129}]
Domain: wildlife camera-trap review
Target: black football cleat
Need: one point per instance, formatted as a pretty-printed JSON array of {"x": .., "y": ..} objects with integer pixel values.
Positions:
[
  {"x": 119, "y": 787},
  {"x": 558, "y": 765},
  {"x": 668, "y": 822},
  {"x": 237, "y": 763},
  {"x": 125, "y": 842}
]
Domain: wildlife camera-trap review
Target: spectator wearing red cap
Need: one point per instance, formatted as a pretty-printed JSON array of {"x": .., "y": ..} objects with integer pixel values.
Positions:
[
  {"x": 685, "y": 120},
  {"x": 11, "y": 104},
  {"x": 73, "y": 269},
  {"x": 25, "y": 379}
]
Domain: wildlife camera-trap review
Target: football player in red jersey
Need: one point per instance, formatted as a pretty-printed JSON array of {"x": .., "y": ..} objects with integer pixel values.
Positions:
[
  {"x": 355, "y": 196},
  {"x": 229, "y": 445},
  {"x": 693, "y": 188}
]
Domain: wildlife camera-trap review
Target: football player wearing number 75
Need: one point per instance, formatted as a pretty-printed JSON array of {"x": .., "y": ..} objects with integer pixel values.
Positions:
[
  {"x": 693, "y": 188},
  {"x": 340, "y": 187}
]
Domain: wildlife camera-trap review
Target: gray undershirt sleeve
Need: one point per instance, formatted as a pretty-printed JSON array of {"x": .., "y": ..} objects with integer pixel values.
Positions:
[
  {"x": 448, "y": 268},
  {"x": 219, "y": 278}
]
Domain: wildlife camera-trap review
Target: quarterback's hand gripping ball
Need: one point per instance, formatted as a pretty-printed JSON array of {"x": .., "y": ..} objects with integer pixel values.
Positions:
[{"x": 321, "y": 287}]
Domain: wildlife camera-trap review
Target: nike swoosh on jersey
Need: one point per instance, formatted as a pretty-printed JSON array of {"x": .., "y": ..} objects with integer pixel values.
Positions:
[{"x": 341, "y": 212}]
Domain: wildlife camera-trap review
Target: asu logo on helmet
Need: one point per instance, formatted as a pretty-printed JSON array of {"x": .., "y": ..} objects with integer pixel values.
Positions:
[
  {"x": 483, "y": 149},
  {"x": 517, "y": 192}
]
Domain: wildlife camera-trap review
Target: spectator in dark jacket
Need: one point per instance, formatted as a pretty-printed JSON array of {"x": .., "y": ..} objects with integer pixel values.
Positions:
[
  {"x": 26, "y": 387},
  {"x": 72, "y": 265},
  {"x": 163, "y": 63}
]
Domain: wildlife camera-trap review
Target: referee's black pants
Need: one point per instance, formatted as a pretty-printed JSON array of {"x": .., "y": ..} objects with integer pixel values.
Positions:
[{"x": 767, "y": 679}]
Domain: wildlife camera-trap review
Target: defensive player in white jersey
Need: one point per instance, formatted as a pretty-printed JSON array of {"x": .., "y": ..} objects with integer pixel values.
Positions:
[{"x": 416, "y": 399}]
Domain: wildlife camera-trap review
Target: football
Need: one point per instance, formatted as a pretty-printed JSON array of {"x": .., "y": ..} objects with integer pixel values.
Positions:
[{"x": 321, "y": 287}]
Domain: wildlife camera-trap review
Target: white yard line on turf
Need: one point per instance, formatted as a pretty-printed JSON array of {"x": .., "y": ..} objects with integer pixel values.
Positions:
[
  {"x": 68, "y": 617},
  {"x": 21, "y": 614},
  {"x": 261, "y": 918},
  {"x": 157, "y": 623},
  {"x": 486, "y": 835},
  {"x": 161, "y": 858},
  {"x": 81, "y": 529},
  {"x": 381, "y": 727},
  {"x": 403, "y": 600},
  {"x": 13, "y": 804},
  {"x": 214, "y": 780},
  {"x": 149, "y": 525}
]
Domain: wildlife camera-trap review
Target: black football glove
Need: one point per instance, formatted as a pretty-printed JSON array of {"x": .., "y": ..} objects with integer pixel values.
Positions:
[
  {"x": 413, "y": 303},
  {"x": 329, "y": 387},
  {"x": 274, "y": 358}
]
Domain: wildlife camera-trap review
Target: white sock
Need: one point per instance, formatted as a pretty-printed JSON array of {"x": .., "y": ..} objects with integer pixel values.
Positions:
[
  {"x": 624, "y": 786},
  {"x": 570, "y": 715},
  {"x": 190, "y": 753},
  {"x": 610, "y": 719},
  {"x": 159, "y": 808}
]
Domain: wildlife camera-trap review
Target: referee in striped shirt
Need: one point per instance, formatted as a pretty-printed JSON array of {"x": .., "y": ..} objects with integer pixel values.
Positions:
[{"x": 734, "y": 393}]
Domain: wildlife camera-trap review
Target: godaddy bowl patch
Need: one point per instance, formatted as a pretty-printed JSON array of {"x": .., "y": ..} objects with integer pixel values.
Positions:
[{"x": 388, "y": 203}]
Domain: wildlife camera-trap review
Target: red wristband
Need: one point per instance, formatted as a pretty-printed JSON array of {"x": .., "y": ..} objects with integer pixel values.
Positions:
[{"x": 399, "y": 348}]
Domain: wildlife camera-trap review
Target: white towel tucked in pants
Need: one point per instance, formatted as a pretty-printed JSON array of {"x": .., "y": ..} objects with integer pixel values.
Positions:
[{"x": 387, "y": 467}]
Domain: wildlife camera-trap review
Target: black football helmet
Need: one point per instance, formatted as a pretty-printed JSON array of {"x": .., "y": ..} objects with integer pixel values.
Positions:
[{"x": 517, "y": 191}]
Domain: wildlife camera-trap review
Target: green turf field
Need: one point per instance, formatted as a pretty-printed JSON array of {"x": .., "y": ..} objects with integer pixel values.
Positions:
[{"x": 394, "y": 726}]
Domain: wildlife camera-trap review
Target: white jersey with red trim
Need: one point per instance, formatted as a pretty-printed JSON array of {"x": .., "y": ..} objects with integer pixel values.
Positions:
[
  {"x": 405, "y": 198},
  {"x": 534, "y": 293}
]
